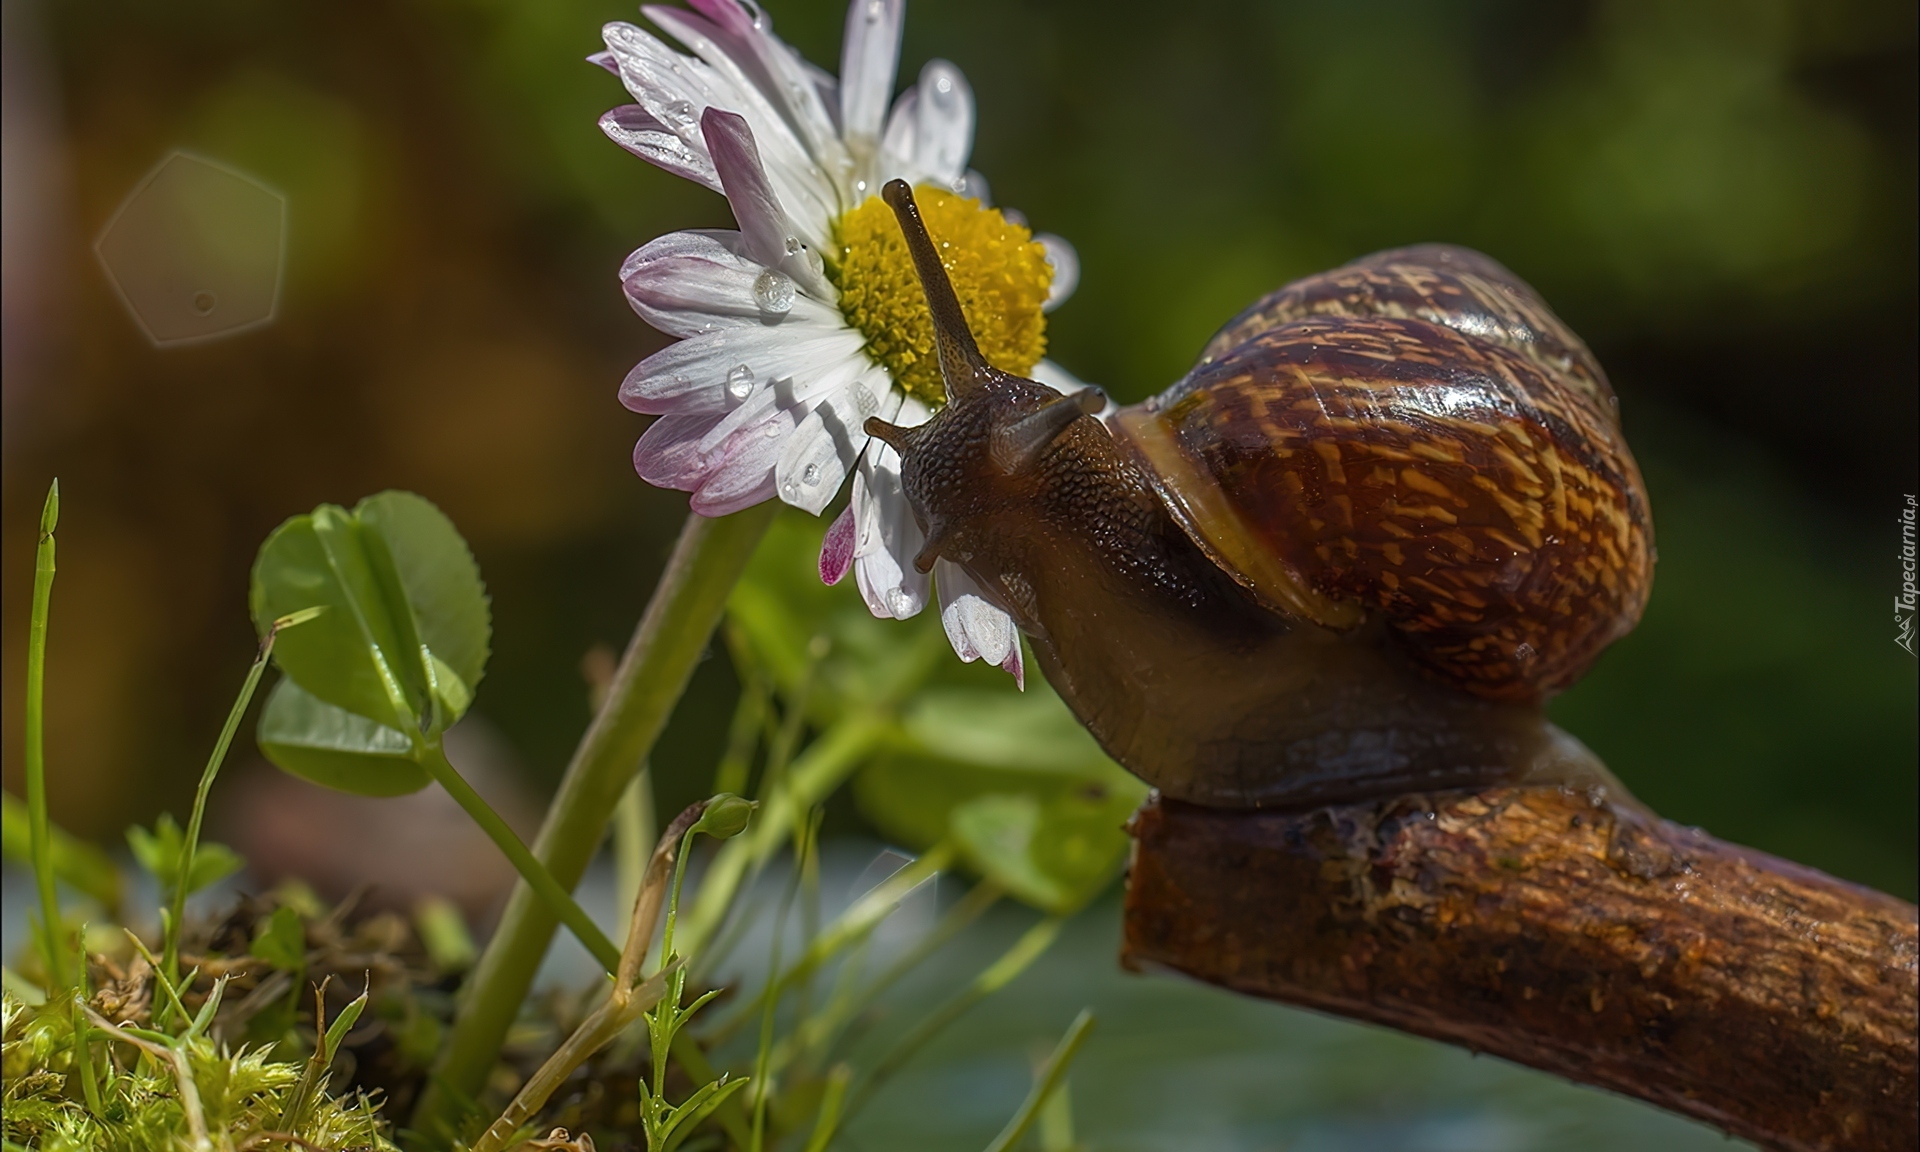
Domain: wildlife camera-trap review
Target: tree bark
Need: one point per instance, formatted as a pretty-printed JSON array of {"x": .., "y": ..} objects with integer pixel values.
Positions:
[{"x": 1558, "y": 930}]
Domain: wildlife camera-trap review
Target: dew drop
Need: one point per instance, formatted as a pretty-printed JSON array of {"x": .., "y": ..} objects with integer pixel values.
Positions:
[
  {"x": 203, "y": 302},
  {"x": 789, "y": 490},
  {"x": 773, "y": 292},
  {"x": 898, "y": 602},
  {"x": 875, "y": 10},
  {"x": 740, "y": 382},
  {"x": 811, "y": 477},
  {"x": 677, "y": 113},
  {"x": 773, "y": 431},
  {"x": 794, "y": 246}
]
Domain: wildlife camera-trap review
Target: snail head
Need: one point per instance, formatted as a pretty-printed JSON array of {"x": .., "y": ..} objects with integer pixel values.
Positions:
[{"x": 986, "y": 451}]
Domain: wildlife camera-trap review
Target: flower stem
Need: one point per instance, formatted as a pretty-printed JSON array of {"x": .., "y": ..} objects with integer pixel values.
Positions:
[
  {"x": 706, "y": 561},
  {"x": 40, "y": 836},
  {"x": 558, "y": 901}
]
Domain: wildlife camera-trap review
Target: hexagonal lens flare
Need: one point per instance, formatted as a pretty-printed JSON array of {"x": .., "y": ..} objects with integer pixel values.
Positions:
[{"x": 197, "y": 251}]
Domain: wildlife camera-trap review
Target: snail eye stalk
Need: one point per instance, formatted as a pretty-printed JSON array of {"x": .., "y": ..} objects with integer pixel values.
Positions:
[
  {"x": 960, "y": 360},
  {"x": 1019, "y": 444}
]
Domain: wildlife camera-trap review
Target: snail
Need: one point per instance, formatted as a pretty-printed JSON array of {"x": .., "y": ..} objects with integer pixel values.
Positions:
[{"x": 1351, "y": 554}]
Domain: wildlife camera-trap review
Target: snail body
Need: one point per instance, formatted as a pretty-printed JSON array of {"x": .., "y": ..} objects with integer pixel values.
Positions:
[{"x": 1386, "y": 516}]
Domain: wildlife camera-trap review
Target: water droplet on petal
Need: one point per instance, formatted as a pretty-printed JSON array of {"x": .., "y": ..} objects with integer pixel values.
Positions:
[
  {"x": 677, "y": 113},
  {"x": 794, "y": 246},
  {"x": 789, "y": 490},
  {"x": 773, "y": 292},
  {"x": 811, "y": 476},
  {"x": 875, "y": 10},
  {"x": 898, "y": 602},
  {"x": 740, "y": 382},
  {"x": 773, "y": 431}
]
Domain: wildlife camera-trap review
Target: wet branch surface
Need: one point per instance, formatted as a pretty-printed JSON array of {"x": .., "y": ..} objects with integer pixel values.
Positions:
[{"x": 1561, "y": 932}]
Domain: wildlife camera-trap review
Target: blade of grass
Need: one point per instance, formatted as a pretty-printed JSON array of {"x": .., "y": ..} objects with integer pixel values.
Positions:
[
  {"x": 190, "y": 844},
  {"x": 633, "y": 838},
  {"x": 41, "y": 838},
  {"x": 1015, "y": 960},
  {"x": 828, "y": 1118},
  {"x": 1045, "y": 1083},
  {"x": 771, "y": 998}
]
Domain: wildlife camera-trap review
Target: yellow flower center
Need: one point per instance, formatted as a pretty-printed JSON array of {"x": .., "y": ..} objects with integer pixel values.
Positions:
[{"x": 999, "y": 272}]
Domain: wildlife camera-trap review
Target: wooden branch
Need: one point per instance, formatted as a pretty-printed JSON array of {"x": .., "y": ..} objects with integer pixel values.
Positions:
[{"x": 1559, "y": 931}]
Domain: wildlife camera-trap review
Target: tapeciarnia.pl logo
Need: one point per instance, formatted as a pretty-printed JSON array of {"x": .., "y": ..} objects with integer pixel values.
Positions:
[{"x": 1903, "y": 604}]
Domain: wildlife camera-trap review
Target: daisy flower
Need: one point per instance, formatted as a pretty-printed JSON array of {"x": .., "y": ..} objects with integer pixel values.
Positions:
[{"x": 809, "y": 319}]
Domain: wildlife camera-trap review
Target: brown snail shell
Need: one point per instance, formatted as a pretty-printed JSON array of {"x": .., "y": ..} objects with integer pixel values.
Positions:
[
  {"x": 1413, "y": 434},
  {"x": 1349, "y": 555}
]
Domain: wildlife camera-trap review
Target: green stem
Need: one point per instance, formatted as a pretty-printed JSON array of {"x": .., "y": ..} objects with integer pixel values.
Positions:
[
  {"x": 679, "y": 620},
  {"x": 823, "y": 767},
  {"x": 40, "y": 836},
  {"x": 1045, "y": 1083},
  {"x": 558, "y": 901},
  {"x": 996, "y": 976},
  {"x": 183, "y": 880},
  {"x": 633, "y": 836}
]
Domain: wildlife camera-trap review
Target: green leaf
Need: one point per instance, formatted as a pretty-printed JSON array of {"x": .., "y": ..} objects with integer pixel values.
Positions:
[
  {"x": 335, "y": 748},
  {"x": 966, "y": 743},
  {"x": 1055, "y": 854},
  {"x": 76, "y": 862},
  {"x": 282, "y": 941},
  {"x": 404, "y": 639},
  {"x": 158, "y": 852}
]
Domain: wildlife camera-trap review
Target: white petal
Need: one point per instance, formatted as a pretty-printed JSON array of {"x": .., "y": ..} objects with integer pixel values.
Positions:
[
  {"x": 1066, "y": 270},
  {"x": 685, "y": 283},
  {"x": 716, "y": 371},
  {"x": 869, "y": 62},
  {"x": 943, "y": 136},
  {"x": 973, "y": 185},
  {"x": 731, "y": 40},
  {"x": 977, "y": 628},
  {"x": 825, "y": 446},
  {"x": 677, "y": 90},
  {"x": 888, "y": 537}
]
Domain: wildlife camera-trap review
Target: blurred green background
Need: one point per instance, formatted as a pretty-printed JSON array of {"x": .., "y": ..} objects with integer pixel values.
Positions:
[{"x": 1718, "y": 196}]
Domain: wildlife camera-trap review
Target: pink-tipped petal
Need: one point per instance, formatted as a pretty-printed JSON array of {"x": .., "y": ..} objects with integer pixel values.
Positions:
[
  {"x": 762, "y": 221},
  {"x": 605, "y": 60},
  {"x": 635, "y": 129},
  {"x": 743, "y": 474},
  {"x": 1015, "y": 666},
  {"x": 769, "y": 232},
  {"x": 778, "y": 71},
  {"x": 836, "y": 550},
  {"x": 668, "y": 454},
  {"x": 688, "y": 283}
]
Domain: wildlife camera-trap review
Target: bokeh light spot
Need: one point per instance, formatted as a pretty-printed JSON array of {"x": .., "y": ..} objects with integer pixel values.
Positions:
[{"x": 197, "y": 251}]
